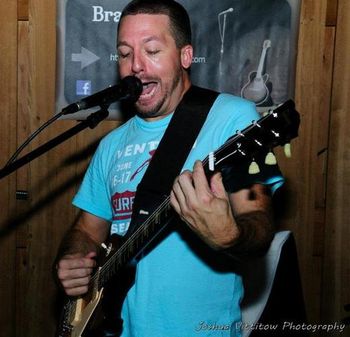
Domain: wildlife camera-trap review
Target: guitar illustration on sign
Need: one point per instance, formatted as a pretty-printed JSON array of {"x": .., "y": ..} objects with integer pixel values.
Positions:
[
  {"x": 255, "y": 89},
  {"x": 277, "y": 128}
]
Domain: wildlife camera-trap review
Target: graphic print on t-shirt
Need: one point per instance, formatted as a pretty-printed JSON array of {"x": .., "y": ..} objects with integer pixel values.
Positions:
[
  {"x": 132, "y": 162},
  {"x": 143, "y": 165}
]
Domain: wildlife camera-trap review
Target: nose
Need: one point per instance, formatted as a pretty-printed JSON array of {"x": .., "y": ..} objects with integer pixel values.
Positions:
[{"x": 137, "y": 63}]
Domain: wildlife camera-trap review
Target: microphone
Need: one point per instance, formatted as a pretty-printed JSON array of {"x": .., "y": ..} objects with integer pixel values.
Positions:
[{"x": 130, "y": 88}]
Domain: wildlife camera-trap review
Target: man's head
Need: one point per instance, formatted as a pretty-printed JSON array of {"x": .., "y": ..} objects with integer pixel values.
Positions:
[
  {"x": 180, "y": 25},
  {"x": 154, "y": 44}
]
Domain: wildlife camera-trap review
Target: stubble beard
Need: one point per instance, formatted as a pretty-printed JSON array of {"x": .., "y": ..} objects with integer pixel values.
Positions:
[{"x": 157, "y": 111}]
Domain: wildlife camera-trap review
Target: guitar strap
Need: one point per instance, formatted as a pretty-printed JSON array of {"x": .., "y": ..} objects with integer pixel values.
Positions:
[
  {"x": 156, "y": 185},
  {"x": 172, "y": 152}
]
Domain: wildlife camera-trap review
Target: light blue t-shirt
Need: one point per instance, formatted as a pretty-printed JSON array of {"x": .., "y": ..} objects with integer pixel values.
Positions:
[{"x": 180, "y": 290}]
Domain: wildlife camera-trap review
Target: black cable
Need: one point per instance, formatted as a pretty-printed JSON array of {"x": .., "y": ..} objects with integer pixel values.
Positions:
[{"x": 31, "y": 137}]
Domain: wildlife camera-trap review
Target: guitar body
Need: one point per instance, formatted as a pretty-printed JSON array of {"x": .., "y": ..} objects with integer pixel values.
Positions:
[
  {"x": 99, "y": 311},
  {"x": 77, "y": 313}
]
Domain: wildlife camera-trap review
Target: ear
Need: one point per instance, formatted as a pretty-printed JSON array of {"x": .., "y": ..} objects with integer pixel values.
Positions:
[{"x": 186, "y": 56}]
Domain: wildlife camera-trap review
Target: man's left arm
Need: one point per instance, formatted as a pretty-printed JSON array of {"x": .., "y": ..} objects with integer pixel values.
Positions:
[{"x": 238, "y": 223}]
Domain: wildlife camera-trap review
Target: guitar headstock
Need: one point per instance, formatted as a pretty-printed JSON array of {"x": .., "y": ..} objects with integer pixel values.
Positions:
[
  {"x": 283, "y": 122},
  {"x": 276, "y": 128}
]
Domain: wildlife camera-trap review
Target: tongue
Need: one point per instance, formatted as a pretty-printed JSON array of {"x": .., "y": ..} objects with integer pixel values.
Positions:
[{"x": 148, "y": 88}]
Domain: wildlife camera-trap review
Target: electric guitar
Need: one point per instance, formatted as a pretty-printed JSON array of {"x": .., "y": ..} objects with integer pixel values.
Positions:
[
  {"x": 255, "y": 89},
  {"x": 278, "y": 127}
]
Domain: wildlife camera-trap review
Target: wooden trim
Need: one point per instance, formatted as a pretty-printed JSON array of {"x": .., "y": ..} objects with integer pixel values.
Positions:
[
  {"x": 23, "y": 10},
  {"x": 332, "y": 12}
]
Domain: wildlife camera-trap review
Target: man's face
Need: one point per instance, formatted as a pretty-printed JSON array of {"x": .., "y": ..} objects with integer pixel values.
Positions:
[{"x": 147, "y": 50}]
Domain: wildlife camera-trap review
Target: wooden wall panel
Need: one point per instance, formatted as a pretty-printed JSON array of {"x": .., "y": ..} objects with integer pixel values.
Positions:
[
  {"x": 303, "y": 177},
  {"x": 337, "y": 261},
  {"x": 8, "y": 90},
  {"x": 54, "y": 177},
  {"x": 22, "y": 177}
]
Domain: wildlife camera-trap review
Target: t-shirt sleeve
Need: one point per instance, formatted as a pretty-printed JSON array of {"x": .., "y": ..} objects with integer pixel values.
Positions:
[{"x": 93, "y": 196}]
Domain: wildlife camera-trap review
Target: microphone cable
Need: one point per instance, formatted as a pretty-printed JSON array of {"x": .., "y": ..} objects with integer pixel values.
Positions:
[{"x": 31, "y": 137}]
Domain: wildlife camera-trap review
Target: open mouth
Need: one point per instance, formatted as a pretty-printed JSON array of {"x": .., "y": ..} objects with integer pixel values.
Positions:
[{"x": 149, "y": 89}]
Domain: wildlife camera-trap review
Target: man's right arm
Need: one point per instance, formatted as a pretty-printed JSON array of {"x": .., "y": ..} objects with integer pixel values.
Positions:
[{"x": 78, "y": 251}]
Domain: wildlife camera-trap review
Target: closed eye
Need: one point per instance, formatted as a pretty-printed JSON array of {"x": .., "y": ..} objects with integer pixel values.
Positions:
[
  {"x": 153, "y": 52},
  {"x": 124, "y": 55}
]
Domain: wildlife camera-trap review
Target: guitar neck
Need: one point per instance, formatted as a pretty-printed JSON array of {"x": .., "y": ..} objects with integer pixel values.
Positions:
[{"x": 137, "y": 241}]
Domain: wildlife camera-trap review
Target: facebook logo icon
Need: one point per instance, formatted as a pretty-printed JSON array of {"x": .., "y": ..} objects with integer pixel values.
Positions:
[{"x": 83, "y": 88}]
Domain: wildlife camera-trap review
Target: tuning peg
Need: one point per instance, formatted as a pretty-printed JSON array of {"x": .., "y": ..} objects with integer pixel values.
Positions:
[
  {"x": 287, "y": 150},
  {"x": 270, "y": 159},
  {"x": 253, "y": 168}
]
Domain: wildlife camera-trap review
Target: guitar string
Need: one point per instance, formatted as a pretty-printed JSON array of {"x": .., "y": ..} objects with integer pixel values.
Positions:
[{"x": 133, "y": 238}]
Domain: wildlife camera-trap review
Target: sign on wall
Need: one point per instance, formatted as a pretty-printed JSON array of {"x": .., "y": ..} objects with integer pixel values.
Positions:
[{"x": 244, "y": 47}]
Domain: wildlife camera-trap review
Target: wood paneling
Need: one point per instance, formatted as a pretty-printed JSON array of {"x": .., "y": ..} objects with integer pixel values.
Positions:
[
  {"x": 8, "y": 94},
  {"x": 22, "y": 178},
  {"x": 53, "y": 177},
  {"x": 314, "y": 199},
  {"x": 337, "y": 257},
  {"x": 304, "y": 179}
]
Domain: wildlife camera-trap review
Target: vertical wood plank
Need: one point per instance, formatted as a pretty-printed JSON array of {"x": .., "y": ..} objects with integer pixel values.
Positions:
[
  {"x": 23, "y": 176},
  {"x": 301, "y": 216},
  {"x": 8, "y": 89},
  {"x": 322, "y": 135},
  {"x": 23, "y": 124},
  {"x": 337, "y": 262},
  {"x": 50, "y": 176},
  {"x": 54, "y": 177}
]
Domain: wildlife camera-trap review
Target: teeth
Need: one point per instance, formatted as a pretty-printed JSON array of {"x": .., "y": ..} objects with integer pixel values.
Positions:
[
  {"x": 147, "y": 84},
  {"x": 148, "y": 87}
]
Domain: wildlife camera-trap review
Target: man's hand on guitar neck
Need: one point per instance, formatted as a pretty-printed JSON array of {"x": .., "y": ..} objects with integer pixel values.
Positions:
[
  {"x": 239, "y": 221},
  {"x": 205, "y": 208}
]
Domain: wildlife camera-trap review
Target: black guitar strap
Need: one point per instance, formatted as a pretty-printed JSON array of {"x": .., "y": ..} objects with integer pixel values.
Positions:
[{"x": 172, "y": 152}]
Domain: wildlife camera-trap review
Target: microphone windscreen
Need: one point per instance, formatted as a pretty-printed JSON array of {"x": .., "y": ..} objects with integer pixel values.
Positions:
[{"x": 132, "y": 86}]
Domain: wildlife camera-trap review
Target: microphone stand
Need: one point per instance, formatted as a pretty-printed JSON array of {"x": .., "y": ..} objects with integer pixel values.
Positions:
[{"x": 91, "y": 121}]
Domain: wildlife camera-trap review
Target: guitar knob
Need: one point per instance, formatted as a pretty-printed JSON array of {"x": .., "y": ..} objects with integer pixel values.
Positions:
[
  {"x": 253, "y": 168},
  {"x": 287, "y": 150},
  {"x": 270, "y": 159}
]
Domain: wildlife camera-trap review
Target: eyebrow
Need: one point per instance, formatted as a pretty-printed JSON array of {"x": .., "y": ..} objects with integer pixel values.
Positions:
[{"x": 148, "y": 39}]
